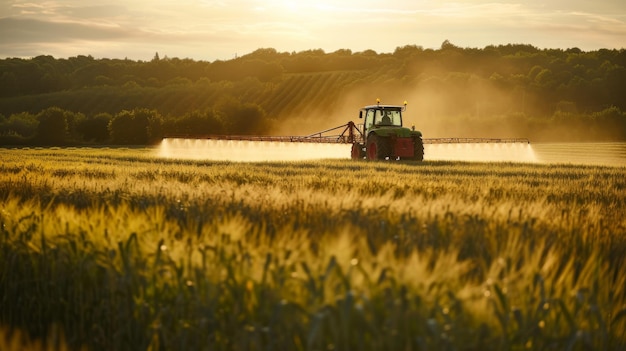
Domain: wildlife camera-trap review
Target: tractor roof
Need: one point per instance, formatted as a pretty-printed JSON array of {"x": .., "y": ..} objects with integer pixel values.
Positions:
[{"x": 383, "y": 107}]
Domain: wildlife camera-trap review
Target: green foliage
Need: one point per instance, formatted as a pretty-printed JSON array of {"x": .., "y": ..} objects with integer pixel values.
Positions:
[
  {"x": 244, "y": 118},
  {"x": 136, "y": 127},
  {"x": 95, "y": 128},
  {"x": 122, "y": 250},
  {"x": 22, "y": 124},
  {"x": 53, "y": 126},
  {"x": 448, "y": 84},
  {"x": 196, "y": 123},
  {"x": 243, "y": 68}
]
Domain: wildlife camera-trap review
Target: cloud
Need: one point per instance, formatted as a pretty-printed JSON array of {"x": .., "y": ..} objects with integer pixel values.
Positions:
[
  {"x": 218, "y": 29},
  {"x": 26, "y": 30}
]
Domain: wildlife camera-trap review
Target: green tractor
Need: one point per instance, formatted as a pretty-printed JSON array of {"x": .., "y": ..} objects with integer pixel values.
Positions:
[{"x": 384, "y": 137}]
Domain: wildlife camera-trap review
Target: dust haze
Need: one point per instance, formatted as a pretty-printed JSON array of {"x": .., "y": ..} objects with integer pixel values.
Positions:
[
  {"x": 439, "y": 113},
  {"x": 450, "y": 105}
]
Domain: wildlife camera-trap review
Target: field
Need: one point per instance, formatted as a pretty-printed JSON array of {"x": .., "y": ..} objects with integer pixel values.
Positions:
[{"x": 118, "y": 249}]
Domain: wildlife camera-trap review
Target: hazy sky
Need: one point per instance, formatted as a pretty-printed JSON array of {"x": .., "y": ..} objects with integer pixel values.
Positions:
[{"x": 220, "y": 29}]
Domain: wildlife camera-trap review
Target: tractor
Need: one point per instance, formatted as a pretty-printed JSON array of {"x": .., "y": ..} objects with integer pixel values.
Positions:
[{"x": 384, "y": 136}]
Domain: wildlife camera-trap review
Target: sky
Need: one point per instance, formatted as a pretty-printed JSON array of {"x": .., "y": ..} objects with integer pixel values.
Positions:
[{"x": 212, "y": 30}]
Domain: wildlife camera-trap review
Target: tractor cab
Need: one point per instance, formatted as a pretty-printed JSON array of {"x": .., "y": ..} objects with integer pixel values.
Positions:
[{"x": 381, "y": 116}]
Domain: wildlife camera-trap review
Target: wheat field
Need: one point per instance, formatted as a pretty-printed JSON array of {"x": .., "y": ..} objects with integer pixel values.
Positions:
[{"x": 118, "y": 249}]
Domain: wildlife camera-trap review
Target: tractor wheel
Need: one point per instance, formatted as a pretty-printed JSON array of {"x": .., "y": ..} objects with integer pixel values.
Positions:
[
  {"x": 377, "y": 148},
  {"x": 357, "y": 151},
  {"x": 418, "y": 149}
]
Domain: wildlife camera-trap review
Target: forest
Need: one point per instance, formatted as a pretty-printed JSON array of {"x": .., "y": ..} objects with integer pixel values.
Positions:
[{"x": 514, "y": 90}]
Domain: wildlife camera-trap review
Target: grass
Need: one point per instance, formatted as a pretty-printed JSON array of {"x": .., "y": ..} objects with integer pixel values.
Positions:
[{"x": 125, "y": 251}]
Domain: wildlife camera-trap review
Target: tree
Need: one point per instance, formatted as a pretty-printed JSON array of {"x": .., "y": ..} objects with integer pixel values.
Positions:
[
  {"x": 448, "y": 45},
  {"x": 242, "y": 118},
  {"x": 22, "y": 124},
  {"x": 198, "y": 123},
  {"x": 122, "y": 130},
  {"x": 53, "y": 127},
  {"x": 95, "y": 128},
  {"x": 613, "y": 121},
  {"x": 407, "y": 51},
  {"x": 136, "y": 127},
  {"x": 74, "y": 120}
]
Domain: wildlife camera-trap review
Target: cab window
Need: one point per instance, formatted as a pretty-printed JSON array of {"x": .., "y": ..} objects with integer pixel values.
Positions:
[
  {"x": 369, "y": 119},
  {"x": 388, "y": 118}
]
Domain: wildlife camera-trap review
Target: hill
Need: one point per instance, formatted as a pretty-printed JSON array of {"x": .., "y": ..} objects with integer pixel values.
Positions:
[{"x": 513, "y": 90}]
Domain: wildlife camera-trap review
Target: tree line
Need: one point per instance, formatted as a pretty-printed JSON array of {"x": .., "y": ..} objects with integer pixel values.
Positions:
[
  {"x": 140, "y": 126},
  {"x": 86, "y": 100}
]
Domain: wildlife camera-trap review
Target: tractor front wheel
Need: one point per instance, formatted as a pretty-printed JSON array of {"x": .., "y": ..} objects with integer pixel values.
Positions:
[{"x": 357, "y": 151}]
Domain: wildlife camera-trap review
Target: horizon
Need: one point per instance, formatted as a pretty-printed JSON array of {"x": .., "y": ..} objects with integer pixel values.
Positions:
[{"x": 292, "y": 52}]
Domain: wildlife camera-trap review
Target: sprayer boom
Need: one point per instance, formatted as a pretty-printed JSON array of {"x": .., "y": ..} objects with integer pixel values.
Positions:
[
  {"x": 350, "y": 134},
  {"x": 343, "y": 138}
]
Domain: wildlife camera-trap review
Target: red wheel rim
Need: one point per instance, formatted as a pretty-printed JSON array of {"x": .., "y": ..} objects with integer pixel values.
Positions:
[{"x": 371, "y": 151}]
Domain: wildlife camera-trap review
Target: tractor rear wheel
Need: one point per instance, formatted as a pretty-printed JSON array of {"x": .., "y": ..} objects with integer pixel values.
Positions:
[
  {"x": 418, "y": 149},
  {"x": 378, "y": 148}
]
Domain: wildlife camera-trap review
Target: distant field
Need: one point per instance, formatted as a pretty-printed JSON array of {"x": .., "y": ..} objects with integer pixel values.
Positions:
[{"x": 123, "y": 250}]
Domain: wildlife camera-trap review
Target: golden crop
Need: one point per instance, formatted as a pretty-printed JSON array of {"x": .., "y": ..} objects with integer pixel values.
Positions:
[{"x": 125, "y": 250}]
